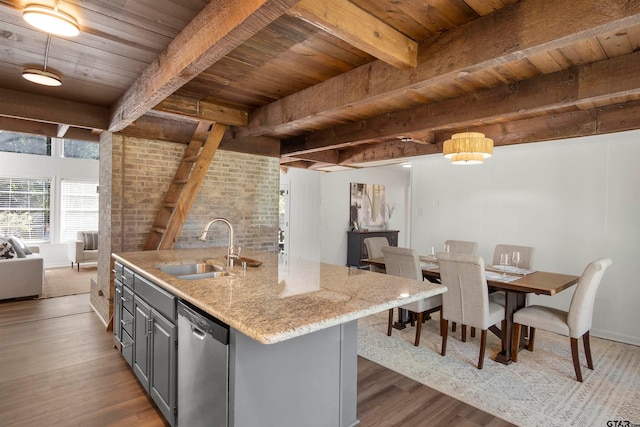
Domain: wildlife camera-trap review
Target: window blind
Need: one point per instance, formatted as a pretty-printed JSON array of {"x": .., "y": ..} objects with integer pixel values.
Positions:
[
  {"x": 25, "y": 208},
  {"x": 79, "y": 208}
]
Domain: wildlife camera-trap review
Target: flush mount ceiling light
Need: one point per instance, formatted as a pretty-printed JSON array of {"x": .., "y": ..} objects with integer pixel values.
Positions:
[
  {"x": 42, "y": 76},
  {"x": 467, "y": 148},
  {"x": 51, "y": 20}
]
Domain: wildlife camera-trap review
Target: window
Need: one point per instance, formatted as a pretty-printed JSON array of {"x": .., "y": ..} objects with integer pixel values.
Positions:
[
  {"x": 79, "y": 208},
  {"x": 81, "y": 149},
  {"x": 25, "y": 143},
  {"x": 24, "y": 208}
]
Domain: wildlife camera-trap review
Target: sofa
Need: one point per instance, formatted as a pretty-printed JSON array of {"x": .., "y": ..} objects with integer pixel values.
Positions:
[
  {"x": 84, "y": 248},
  {"x": 22, "y": 277}
]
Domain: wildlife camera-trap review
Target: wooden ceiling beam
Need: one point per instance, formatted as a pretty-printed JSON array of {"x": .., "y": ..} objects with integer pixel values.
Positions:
[
  {"x": 574, "y": 124},
  {"x": 328, "y": 156},
  {"x": 355, "y": 26},
  {"x": 385, "y": 151},
  {"x": 10, "y": 124},
  {"x": 29, "y": 106},
  {"x": 218, "y": 29},
  {"x": 260, "y": 145},
  {"x": 542, "y": 26},
  {"x": 202, "y": 110},
  {"x": 588, "y": 84},
  {"x": 161, "y": 128}
]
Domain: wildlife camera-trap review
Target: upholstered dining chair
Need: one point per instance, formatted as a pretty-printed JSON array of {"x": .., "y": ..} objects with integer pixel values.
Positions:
[
  {"x": 374, "y": 250},
  {"x": 467, "y": 298},
  {"x": 526, "y": 256},
  {"x": 404, "y": 262},
  {"x": 575, "y": 323},
  {"x": 461, "y": 247}
]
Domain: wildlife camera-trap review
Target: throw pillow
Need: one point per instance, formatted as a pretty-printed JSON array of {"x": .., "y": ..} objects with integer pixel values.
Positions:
[
  {"x": 90, "y": 241},
  {"x": 17, "y": 248},
  {"x": 6, "y": 251},
  {"x": 17, "y": 242}
]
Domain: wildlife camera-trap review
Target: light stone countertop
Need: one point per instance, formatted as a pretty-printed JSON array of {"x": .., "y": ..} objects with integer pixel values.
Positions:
[{"x": 284, "y": 297}]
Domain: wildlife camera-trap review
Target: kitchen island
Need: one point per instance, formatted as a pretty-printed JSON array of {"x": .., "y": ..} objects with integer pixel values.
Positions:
[{"x": 292, "y": 329}]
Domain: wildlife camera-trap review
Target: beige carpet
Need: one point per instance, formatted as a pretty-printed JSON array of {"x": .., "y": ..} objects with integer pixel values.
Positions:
[
  {"x": 539, "y": 390},
  {"x": 67, "y": 281}
]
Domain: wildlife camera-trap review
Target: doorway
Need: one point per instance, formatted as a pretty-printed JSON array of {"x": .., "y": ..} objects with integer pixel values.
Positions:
[{"x": 283, "y": 215}]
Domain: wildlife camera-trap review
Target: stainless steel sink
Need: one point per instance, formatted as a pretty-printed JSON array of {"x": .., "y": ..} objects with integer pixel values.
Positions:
[{"x": 194, "y": 271}]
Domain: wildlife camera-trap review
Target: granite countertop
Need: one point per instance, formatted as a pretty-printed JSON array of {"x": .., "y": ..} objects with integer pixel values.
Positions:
[{"x": 283, "y": 297}]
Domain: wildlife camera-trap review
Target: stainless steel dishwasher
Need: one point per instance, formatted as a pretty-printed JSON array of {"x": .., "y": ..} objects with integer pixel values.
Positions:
[{"x": 203, "y": 369}]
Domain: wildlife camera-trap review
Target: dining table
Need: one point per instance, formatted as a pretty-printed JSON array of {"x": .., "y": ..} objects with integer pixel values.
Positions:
[{"x": 514, "y": 282}]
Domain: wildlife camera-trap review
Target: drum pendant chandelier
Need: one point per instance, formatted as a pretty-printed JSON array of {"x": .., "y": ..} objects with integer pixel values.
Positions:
[{"x": 468, "y": 148}]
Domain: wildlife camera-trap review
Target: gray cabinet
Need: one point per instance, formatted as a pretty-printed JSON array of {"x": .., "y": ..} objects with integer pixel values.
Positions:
[
  {"x": 145, "y": 331},
  {"x": 356, "y": 249},
  {"x": 163, "y": 364},
  {"x": 141, "y": 340}
]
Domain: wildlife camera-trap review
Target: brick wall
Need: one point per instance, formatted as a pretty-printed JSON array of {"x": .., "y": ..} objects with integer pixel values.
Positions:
[{"x": 134, "y": 176}]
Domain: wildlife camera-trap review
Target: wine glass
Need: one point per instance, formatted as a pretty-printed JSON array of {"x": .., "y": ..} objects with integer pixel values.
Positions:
[
  {"x": 446, "y": 249},
  {"x": 515, "y": 258},
  {"x": 432, "y": 251},
  {"x": 504, "y": 262}
]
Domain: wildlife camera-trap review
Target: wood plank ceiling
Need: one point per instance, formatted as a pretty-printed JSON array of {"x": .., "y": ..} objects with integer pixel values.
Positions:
[{"x": 328, "y": 84}]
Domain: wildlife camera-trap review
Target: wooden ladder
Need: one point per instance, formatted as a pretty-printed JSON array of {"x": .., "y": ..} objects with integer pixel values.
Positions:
[{"x": 183, "y": 190}]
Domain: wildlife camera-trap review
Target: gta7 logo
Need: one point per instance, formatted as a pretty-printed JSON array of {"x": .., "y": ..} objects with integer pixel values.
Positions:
[{"x": 621, "y": 423}]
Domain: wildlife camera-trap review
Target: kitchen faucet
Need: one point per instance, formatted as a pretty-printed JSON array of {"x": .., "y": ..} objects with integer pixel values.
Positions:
[{"x": 230, "y": 255}]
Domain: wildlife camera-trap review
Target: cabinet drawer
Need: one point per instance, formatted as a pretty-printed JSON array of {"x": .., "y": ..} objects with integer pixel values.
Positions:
[
  {"x": 127, "y": 276},
  {"x": 127, "y": 321},
  {"x": 117, "y": 271},
  {"x": 127, "y": 347},
  {"x": 158, "y": 298},
  {"x": 127, "y": 298}
]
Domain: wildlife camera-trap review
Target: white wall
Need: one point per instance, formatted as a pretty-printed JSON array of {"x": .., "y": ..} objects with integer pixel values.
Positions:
[
  {"x": 573, "y": 200},
  {"x": 304, "y": 215},
  {"x": 319, "y": 214},
  {"x": 16, "y": 165},
  {"x": 335, "y": 200}
]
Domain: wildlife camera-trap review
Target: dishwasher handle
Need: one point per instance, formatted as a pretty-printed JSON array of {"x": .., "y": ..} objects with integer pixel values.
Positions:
[
  {"x": 198, "y": 333},
  {"x": 203, "y": 324}
]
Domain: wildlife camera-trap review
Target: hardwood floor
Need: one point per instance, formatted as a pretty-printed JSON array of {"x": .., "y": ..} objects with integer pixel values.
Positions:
[{"x": 58, "y": 367}]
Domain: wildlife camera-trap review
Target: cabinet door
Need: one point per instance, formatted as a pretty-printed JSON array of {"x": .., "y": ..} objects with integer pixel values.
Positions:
[
  {"x": 162, "y": 386},
  {"x": 117, "y": 313},
  {"x": 141, "y": 340}
]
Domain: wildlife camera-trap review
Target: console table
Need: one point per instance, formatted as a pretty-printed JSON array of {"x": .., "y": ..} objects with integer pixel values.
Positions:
[{"x": 356, "y": 249}]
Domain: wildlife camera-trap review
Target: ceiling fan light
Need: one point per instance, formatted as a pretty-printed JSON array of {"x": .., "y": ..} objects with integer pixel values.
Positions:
[
  {"x": 41, "y": 77},
  {"x": 51, "y": 20}
]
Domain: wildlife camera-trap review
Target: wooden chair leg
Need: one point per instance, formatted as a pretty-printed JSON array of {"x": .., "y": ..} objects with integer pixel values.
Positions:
[
  {"x": 515, "y": 342},
  {"x": 587, "y": 349},
  {"x": 532, "y": 337},
  {"x": 473, "y": 332},
  {"x": 453, "y": 326},
  {"x": 483, "y": 344},
  {"x": 444, "y": 330},
  {"x": 419, "y": 328},
  {"x": 390, "y": 325},
  {"x": 576, "y": 358},
  {"x": 464, "y": 333}
]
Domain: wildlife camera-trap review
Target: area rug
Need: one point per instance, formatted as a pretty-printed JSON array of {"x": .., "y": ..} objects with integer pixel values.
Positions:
[
  {"x": 67, "y": 281},
  {"x": 539, "y": 390}
]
